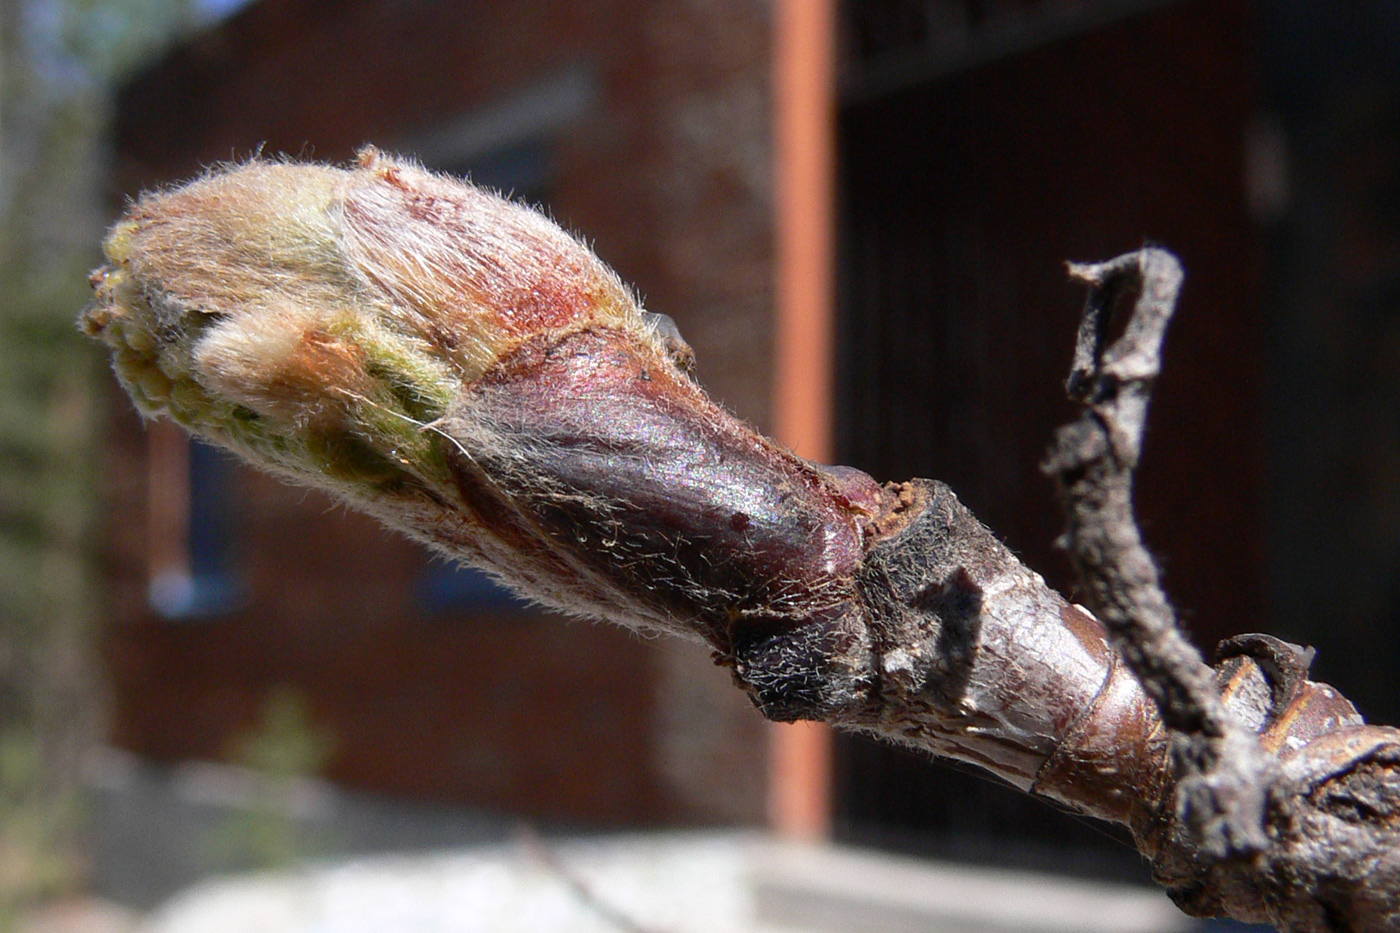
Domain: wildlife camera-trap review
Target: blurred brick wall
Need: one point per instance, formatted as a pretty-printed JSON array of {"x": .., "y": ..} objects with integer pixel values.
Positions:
[{"x": 669, "y": 180}]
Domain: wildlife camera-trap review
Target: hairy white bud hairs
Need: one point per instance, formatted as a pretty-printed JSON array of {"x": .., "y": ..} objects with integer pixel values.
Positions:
[{"x": 460, "y": 367}]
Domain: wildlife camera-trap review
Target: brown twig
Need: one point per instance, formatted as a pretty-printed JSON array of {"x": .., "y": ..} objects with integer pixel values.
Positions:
[
  {"x": 1222, "y": 783},
  {"x": 465, "y": 371},
  {"x": 537, "y": 848}
]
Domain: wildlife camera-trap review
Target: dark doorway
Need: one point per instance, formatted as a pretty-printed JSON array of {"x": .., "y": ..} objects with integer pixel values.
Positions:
[{"x": 981, "y": 146}]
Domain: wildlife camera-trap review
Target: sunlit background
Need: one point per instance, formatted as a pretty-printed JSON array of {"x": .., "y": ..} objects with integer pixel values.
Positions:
[{"x": 857, "y": 211}]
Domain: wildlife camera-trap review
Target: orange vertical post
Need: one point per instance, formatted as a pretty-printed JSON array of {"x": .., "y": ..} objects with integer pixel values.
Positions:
[{"x": 804, "y": 61}]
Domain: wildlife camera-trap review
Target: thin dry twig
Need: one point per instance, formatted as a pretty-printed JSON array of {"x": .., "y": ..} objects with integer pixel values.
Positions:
[
  {"x": 538, "y": 849},
  {"x": 1223, "y": 774}
]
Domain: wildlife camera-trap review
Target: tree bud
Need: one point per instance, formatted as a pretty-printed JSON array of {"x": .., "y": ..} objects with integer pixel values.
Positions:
[{"x": 460, "y": 367}]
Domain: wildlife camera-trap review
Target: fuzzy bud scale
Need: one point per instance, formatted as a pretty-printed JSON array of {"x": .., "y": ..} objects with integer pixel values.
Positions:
[{"x": 460, "y": 367}]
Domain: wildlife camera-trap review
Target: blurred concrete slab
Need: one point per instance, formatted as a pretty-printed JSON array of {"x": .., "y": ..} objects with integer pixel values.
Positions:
[
  {"x": 830, "y": 889},
  {"x": 157, "y": 829},
  {"x": 661, "y": 883}
]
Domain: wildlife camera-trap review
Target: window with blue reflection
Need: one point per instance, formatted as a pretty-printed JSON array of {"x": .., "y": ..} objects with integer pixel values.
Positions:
[{"x": 204, "y": 582}]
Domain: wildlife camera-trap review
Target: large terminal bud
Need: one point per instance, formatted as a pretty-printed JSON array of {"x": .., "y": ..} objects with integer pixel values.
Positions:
[{"x": 459, "y": 366}]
